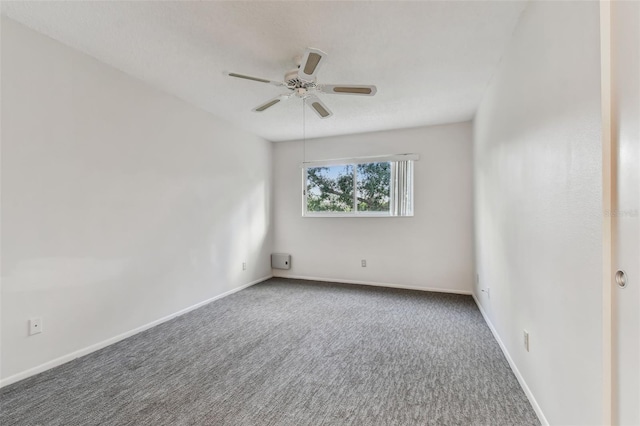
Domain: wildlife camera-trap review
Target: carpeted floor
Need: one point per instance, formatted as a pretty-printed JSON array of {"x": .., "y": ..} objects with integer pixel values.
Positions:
[{"x": 287, "y": 352}]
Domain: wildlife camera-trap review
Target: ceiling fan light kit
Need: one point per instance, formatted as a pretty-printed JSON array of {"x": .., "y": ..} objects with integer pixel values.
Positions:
[{"x": 301, "y": 82}]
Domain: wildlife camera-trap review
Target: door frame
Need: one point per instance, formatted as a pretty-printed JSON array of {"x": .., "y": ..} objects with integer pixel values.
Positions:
[{"x": 609, "y": 173}]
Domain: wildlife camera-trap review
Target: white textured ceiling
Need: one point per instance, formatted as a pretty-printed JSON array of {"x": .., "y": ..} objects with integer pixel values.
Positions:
[{"x": 430, "y": 60}]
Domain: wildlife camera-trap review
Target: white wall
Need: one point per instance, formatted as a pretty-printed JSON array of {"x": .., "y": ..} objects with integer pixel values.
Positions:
[
  {"x": 120, "y": 204},
  {"x": 538, "y": 207},
  {"x": 431, "y": 250}
]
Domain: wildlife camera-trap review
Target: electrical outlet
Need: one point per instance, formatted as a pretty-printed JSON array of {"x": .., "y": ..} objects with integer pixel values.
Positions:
[
  {"x": 526, "y": 340},
  {"x": 244, "y": 266},
  {"x": 487, "y": 291},
  {"x": 363, "y": 263},
  {"x": 35, "y": 326}
]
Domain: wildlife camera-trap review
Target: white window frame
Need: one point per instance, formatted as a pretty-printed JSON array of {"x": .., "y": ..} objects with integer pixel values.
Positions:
[{"x": 354, "y": 162}]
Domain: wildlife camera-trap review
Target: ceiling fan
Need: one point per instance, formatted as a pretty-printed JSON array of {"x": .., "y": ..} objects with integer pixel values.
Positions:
[{"x": 301, "y": 82}]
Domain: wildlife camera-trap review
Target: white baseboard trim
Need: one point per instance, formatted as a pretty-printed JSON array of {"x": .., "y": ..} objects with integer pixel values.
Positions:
[
  {"x": 523, "y": 384},
  {"x": 372, "y": 283},
  {"x": 85, "y": 351}
]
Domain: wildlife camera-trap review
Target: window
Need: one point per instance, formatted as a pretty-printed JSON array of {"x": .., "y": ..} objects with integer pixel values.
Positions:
[{"x": 361, "y": 187}]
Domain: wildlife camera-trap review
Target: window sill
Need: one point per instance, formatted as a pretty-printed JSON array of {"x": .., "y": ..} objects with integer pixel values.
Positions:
[{"x": 352, "y": 215}]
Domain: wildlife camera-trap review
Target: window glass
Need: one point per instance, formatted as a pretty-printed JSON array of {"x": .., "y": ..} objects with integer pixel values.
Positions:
[
  {"x": 373, "y": 187},
  {"x": 383, "y": 188},
  {"x": 330, "y": 189}
]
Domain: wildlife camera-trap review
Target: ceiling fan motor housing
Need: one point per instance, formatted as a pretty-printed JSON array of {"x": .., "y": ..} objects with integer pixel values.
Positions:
[{"x": 293, "y": 81}]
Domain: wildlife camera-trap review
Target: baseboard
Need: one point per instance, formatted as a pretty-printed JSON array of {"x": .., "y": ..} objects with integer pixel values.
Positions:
[
  {"x": 523, "y": 384},
  {"x": 372, "y": 283},
  {"x": 97, "y": 346}
]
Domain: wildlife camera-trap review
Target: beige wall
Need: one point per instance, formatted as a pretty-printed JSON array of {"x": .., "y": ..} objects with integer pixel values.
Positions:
[
  {"x": 431, "y": 250},
  {"x": 120, "y": 204},
  {"x": 538, "y": 208}
]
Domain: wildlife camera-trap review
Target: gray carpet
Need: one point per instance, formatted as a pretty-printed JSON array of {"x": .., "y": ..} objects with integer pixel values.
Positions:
[{"x": 288, "y": 352}]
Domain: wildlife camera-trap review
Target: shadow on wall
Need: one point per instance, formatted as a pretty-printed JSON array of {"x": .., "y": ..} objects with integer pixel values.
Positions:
[{"x": 246, "y": 234}]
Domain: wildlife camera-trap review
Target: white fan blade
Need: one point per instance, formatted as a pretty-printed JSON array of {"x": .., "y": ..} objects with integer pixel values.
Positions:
[
  {"x": 270, "y": 103},
  {"x": 311, "y": 62},
  {"x": 248, "y": 77},
  {"x": 348, "y": 89},
  {"x": 318, "y": 107}
]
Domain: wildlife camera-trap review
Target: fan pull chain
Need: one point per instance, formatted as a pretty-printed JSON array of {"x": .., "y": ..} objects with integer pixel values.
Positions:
[{"x": 304, "y": 133}]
